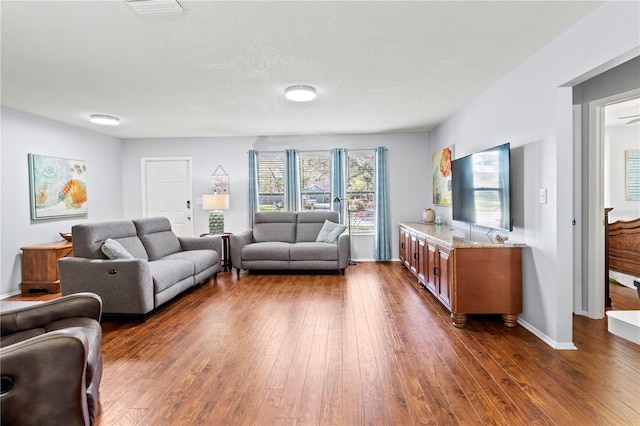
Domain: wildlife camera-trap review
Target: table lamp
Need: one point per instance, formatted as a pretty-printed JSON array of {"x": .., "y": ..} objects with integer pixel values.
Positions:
[{"x": 215, "y": 203}]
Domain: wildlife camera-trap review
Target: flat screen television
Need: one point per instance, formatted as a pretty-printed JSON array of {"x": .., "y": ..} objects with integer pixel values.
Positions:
[{"x": 480, "y": 188}]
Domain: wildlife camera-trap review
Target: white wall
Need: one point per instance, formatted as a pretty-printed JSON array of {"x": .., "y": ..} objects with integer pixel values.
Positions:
[
  {"x": 529, "y": 108},
  {"x": 24, "y": 133},
  {"x": 408, "y": 157},
  {"x": 620, "y": 139}
]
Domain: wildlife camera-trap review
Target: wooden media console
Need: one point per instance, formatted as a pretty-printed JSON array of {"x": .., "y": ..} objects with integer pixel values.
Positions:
[{"x": 467, "y": 275}]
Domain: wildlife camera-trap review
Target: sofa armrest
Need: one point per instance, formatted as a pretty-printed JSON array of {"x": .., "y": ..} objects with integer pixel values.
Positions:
[
  {"x": 50, "y": 370},
  {"x": 344, "y": 249},
  {"x": 86, "y": 305},
  {"x": 213, "y": 242},
  {"x": 236, "y": 242},
  {"x": 125, "y": 286}
]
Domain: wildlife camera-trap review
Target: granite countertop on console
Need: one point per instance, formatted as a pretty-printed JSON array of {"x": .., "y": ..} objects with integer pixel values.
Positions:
[{"x": 459, "y": 237}]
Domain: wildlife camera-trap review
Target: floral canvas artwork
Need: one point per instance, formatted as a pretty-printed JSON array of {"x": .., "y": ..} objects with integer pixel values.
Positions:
[
  {"x": 441, "y": 162},
  {"x": 220, "y": 184},
  {"x": 58, "y": 187}
]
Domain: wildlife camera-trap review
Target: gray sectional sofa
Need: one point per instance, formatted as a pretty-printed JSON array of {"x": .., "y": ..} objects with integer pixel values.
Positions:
[
  {"x": 288, "y": 240},
  {"x": 149, "y": 266}
]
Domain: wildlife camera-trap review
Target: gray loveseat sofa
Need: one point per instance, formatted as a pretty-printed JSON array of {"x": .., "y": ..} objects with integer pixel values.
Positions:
[
  {"x": 156, "y": 265},
  {"x": 287, "y": 240}
]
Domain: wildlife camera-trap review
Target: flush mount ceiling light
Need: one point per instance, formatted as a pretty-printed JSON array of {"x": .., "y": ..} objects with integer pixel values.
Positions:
[
  {"x": 300, "y": 93},
  {"x": 105, "y": 120},
  {"x": 154, "y": 7}
]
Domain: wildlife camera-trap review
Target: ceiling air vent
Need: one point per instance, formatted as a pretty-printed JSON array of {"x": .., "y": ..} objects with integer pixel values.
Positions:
[{"x": 154, "y": 7}]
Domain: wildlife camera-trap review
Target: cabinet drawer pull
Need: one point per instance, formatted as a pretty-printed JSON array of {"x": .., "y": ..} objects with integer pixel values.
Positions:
[{"x": 113, "y": 271}]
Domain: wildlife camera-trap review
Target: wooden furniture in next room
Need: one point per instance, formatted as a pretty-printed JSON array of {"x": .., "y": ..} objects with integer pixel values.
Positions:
[
  {"x": 622, "y": 250},
  {"x": 467, "y": 275},
  {"x": 40, "y": 266}
]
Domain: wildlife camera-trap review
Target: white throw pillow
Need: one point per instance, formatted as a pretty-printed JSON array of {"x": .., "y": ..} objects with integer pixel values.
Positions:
[
  {"x": 330, "y": 232},
  {"x": 114, "y": 250}
]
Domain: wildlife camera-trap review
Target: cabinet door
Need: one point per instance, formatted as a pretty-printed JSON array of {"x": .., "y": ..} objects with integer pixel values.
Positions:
[
  {"x": 444, "y": 276},
  {"x": 406, "y": 244},
  {"x": 431, "y": 272},
  {"x": 402, "y": 250},
  {"x": 414, "y": 254},
  {"x": 421, "y": 258}
]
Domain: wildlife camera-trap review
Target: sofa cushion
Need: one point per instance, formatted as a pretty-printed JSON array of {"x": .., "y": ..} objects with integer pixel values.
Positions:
[
  {"x": 201, "y": 259},
  {"x": 167, "y": 272},
  {"x": 114, "y": 250},
  {"x": 274, "y": 250},
  {"x": 313, "y": 251},
  {"x": 157, "y": 237},
  {"x": 274, "y": 226},
  {"x": 89, "y": 237},
  {"x": 310, "y": 224},
  {"x": 330, "y": 232}
]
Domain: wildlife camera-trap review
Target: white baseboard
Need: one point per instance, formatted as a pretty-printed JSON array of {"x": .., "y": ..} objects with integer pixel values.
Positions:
[
  {"x": 549, "y": 341},
  {"x": 373, "y": 260},
  {"x": 14, "y": 293}
]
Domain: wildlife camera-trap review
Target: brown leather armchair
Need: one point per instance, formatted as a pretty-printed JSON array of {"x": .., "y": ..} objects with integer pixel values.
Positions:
[{"x": 50, "y": 362}]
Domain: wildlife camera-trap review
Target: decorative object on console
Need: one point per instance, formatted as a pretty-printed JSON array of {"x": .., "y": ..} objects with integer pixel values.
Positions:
[
  {"x": 215, "y": 203},
  {"x": 58, "y": 187},
  {"x": 66, "y": 235},
  {"x": 429, "y": 216},
  {"x": 502, "y": 238}
]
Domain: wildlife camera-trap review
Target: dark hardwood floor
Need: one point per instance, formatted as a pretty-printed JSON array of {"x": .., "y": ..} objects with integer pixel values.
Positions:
[{"x": 368, "y": 347}]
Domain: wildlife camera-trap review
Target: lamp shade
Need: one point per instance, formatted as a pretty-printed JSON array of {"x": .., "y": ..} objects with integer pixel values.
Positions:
[{"x": 215, "y": 201}]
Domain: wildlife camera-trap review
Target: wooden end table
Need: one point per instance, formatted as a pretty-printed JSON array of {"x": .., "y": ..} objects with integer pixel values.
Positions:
[
  {"x": 40, "y": 266},
  {"x": 226, "y": 255}
]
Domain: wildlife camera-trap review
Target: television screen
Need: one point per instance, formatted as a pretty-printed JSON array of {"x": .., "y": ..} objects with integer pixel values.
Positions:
[{"x": 480, "y": 188}]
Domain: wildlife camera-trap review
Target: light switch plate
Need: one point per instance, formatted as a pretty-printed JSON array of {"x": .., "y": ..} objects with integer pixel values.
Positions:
[{"x": 543, "y": 196}]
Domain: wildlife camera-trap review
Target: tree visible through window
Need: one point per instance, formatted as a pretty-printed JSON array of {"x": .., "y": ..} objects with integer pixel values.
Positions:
[
  {"x": 314, "y": 170},
  {"x": 360, "y": 192},
  {"x": 315, "y": 181},
  {"x": 271, "y": 181}
]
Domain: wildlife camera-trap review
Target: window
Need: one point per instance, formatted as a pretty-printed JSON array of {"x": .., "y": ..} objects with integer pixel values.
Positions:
[
  {"x": 314, "y": 172},
  {"x": 271, "y": 181},
  {"x": 314, "y": 169},
  {"x": 360, "y": 192},
  {"x": 632, "y": 178}
]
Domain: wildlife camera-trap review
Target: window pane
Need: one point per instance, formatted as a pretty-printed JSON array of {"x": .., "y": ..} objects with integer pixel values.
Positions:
[
  {"x": 271, "y": 181},
  {"x": 315, "y": 181},
  {"x": 360, "y": 192}
]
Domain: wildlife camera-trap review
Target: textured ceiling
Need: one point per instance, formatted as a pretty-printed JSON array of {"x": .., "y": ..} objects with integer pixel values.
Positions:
[
  {"x": 623, "y": 114},
  {"x": 220, "y": 68}
]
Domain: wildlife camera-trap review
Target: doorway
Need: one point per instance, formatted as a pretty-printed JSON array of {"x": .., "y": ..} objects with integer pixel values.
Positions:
[
  {"x": 167, "y": 191},
  {"x": 597, "y": 167}
]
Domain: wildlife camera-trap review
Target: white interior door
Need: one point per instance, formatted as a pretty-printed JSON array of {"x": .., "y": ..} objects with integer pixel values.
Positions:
[{"x": 166, "y": 191}]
